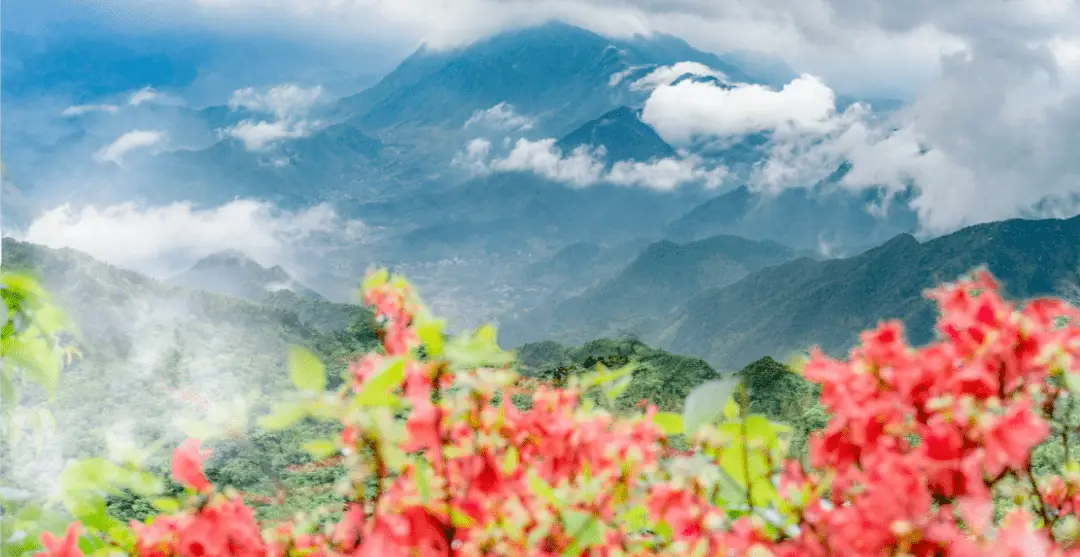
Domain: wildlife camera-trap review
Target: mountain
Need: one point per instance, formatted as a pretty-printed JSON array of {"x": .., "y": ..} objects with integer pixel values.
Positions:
[
  {"x": 639, "y": 299},
  {"x": 663, "y": 378},
  {"x": 818, "y": 218},
  {"x": 792, "y": 306},
  {"x": 233, "y": 273},
  {"x": 621, "y": 134},
  {"x": 144, "y": 340},
  {"x": 556, "y": 73}
]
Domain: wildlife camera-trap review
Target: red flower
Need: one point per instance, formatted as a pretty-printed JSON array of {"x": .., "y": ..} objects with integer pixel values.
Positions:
[
  {"x": 187, "y": 464},
  {"x": 68, "y": 546}
]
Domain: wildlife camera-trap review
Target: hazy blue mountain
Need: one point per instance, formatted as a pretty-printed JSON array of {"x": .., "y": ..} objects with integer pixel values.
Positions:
[
  {"x": 817, "y": 218},
  {"x": 621, "y": 134},
  {"x": 557, "y": 73},
  {"x": 233, "y": 273},
  {"x": 792, "y": 306},
  {"x": 640, "y": 297}
]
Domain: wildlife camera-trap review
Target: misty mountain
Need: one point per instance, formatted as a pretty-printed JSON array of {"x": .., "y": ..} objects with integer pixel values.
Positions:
[
  {"x": 638, "y": 300},
  {"x": 621, "y": 134},
  {"x": 792, "y": 306},
  {"x": 233, "y": 273},
  {"x": 820, "y": 218},
  {"x": 143, "y": 340},
  {"x": 556, "y": 73}
]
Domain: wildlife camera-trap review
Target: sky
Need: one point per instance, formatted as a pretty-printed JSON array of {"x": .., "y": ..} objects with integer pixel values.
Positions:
[{"x": 992, "y": 86}]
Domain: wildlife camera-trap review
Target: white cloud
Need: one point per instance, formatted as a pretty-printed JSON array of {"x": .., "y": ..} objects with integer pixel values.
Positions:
[
  {"x": 583, "y": 167},
  {"x": 260, "y": 136},
  {"x": 690, "y": 109},
  {"x": 665, "y": 75},
  {"x": 501, "y": 117},
  {"x": 666, "y": 174},
  {"x": 79, "y": 110},
  {"x": 475, "y": 156},
  {"x": 165, "y": 240},
  {"x": 144, "y": 95},
  {"x": 580, "y": 168},
  {"x": 130, "y": 141},
  {"x": 286, "y": 101}
]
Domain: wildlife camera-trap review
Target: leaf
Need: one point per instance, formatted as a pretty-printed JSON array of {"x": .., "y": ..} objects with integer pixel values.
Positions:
[
  {"x": 541, "y": 488},
  {"x": 431, "y": 335},
  {"x": 670, "y": 424},
  {"x": 166, "y": 505},
  {"x": 1072, "y": 382},
  {"x": 460, "y": 519},
  {"x": 378, "y": 390},
  {"x": 618, "y": 389},
  {"x": 731, "y": 409},
  {"x": 511, "y": 461},
  {"x": 306, "y": 371},
  {"x": 319, "y": 448},
  {"x": 375, "y": 280},
  {"x": 603, "y": 376},
  {"x": 284, "y": 415},
  {"x": 585, "y": 528},
  {"x": 635, "y": 518},
  {"x": 704, "y": 405}
]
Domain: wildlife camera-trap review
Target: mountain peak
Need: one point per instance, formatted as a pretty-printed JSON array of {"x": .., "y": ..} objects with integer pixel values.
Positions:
[
  {"x": 234, "y": 273},
  {"x": 622, "y": 135}
]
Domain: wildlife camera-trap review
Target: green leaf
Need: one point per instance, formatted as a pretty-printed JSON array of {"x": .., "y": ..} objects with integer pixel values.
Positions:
[
  {"x": 166, "y": 505},
  {"x": 284, "y": 415},
  {"x": 319, "y": 448},
  {"x": 586, "y": 529},
  {"x": 306, "y": 371},
  {"x": 704, "y": 405},
  {"x": 375, "y": 280},
  {"x": 431, "y": 335},
  {"x": 731, "y": 409},
  {"x": 603, "y": 376},
  {"x": 379, "y": 389},
  {"x": 635, "y": 518},
  {"x": 618, "y": 389},
  {"x": 460, "y": 519},
  {"x": 511, "y": 461},
  {"x": 541, "y": 488},
  {"x": 423, "y": 478},
  {"x": 670, "y": 424},
  {"x": 1072, "y": 381}
]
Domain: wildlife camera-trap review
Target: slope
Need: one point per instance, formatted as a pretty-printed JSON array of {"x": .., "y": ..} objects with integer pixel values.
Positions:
[
  {"x": 145, "y": 342},
  {"x": 818, "y": 218},
  {"x": 621, "y": 134},
  {"x": 638, "y": 300},
  {"x": 802, "y": 303}
]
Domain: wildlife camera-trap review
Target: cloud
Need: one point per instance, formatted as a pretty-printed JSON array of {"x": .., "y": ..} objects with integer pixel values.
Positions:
[
  {"x": 690, "y": 109},
  {"x": 79, "y": 110},
  {"x": 501, "y": 117},
  {"x": 474, "y": 157},
  {"x": 580, "y": 168},
  {"x": 583, "y": 167},
  {"x": 665, "y": 75},
  {"x": 288, "y": 103},
  {"x": 164, "y": 240},
  {"x": 285, "y": 101},
  {"x": 666, "y": 174},
  {"x": 260, "y": 136},
  {"x": 130, "y": 141}
]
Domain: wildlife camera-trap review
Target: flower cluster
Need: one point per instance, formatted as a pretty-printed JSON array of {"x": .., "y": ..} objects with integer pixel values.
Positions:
[{"x": 443, "y": 462}]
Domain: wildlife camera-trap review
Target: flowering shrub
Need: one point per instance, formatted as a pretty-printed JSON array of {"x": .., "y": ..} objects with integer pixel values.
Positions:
[{"x": 445, "y": 459}]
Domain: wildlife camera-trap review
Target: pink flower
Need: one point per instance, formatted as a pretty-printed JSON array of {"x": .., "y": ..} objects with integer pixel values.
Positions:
[{"x": 187, "y": 462}]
